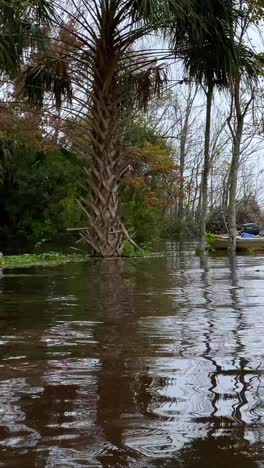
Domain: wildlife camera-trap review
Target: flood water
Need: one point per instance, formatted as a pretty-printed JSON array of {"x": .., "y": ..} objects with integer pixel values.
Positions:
[{"x": 155, "y": 362}]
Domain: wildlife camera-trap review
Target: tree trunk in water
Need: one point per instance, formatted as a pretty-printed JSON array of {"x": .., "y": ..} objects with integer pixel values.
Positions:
[
  {"x": 233, "y": 185},
  {"x": 233, "y": 190},
  {"x": 106, "y": 234},
  {"x": 206, "y": 168},
  {"x": 237, "y": 138}
]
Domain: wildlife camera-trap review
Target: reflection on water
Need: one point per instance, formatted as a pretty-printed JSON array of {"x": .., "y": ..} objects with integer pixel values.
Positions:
[{"x": 145, "y": 363}]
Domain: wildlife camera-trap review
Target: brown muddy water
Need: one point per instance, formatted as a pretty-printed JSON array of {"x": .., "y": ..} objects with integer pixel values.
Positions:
[{"x": 155, "y": 362}]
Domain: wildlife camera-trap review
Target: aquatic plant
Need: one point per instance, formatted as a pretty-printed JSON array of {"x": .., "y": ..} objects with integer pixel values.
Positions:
[{"x": 44, "y": 259}]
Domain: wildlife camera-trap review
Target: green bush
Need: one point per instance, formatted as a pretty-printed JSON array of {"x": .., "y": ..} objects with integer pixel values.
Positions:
[
  {"x": 39, "y": 200},
  {"x": 144, "y": 222}
]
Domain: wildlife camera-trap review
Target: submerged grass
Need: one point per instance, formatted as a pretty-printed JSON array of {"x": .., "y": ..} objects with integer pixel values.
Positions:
[{"x": 43, "y": 259}]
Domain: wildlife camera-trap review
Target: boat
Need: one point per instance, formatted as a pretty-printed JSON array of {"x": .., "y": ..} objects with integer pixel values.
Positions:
[{"x": 242, "y": 243}]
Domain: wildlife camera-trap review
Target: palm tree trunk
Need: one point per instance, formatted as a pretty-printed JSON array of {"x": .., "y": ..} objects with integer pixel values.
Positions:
[
  {"x": 106, "y": 234},
  {"x": 206, "y": 167}
]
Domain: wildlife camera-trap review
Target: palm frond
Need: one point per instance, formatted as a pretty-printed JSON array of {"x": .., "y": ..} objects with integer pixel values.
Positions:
[
  {"x": 209, "y": 48},
  {"x": 41, "y": 10},
  {"x": 50, "y": 75},
  {"x": 138, "y": 88},
  {"x": 20, "y": 29},
  {"x": 159, "y": 12}
]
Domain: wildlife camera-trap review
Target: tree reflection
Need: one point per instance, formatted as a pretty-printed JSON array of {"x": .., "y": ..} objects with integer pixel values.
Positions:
[
  {"x": 224, "y": 431},
  {"x": 115, "y": 336},
  {"x": 221, "y": 452},
  {"x": 226, "y": 436}
]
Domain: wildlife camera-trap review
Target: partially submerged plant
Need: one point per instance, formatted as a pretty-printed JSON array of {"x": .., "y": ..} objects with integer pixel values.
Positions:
[{"x": 44, "y": 259}]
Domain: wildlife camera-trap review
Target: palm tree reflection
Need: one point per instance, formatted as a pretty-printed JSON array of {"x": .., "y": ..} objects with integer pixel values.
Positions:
[{"x": 114, "y": 337}]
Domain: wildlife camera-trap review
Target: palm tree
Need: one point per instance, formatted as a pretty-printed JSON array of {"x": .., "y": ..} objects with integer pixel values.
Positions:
[
  {"x": 115, "y": 79},
  {"x": 20, "y": 31},
  {"x": 121, "y": 80},
  {"x": 212, "y": 58}
]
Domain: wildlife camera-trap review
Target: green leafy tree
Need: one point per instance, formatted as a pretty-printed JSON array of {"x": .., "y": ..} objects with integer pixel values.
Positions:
[
  {"x": 151, "y": 185},
  {"x": 38, "y": 195}
]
